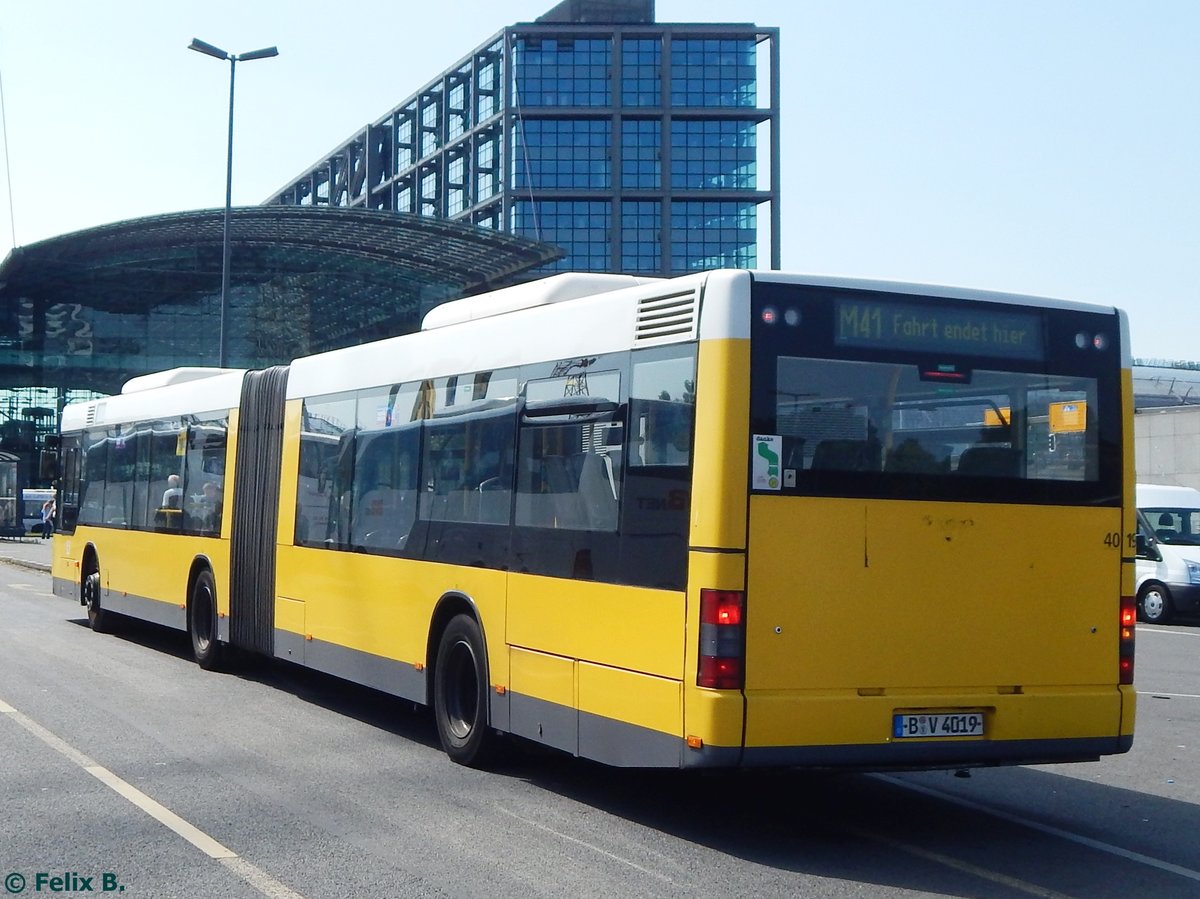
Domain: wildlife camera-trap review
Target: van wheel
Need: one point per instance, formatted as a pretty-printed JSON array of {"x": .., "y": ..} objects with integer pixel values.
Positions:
[
  {"x": 98, "y": 618},
  {"x": 202, "y": 622},
  {"x": 460, "y": 694},
  {"x": 1154, "y": 604}
]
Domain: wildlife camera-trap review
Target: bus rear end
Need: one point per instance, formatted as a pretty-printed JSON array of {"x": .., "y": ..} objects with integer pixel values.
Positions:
[{"x": 936, "y": 568}]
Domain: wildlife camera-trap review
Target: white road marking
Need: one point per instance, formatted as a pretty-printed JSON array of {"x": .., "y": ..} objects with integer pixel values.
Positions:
[
  {"x": 1080, "y": 839},
  {"x": 1143, "y": 631},
  {"x": 587, "y": 845},
  {"x": 160, "y": 813},
  {"x": 1022, "y": 886},
  {"x": 256, "y": 877}
]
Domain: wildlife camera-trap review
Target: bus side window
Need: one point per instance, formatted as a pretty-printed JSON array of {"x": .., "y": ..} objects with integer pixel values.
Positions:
[
  {"x": 316, "y": 472},
  {"x": 95, "y": 473},
  {"x": 467, "y": 466},
  {"x": 166, "y": 460},
  {"x": 205, "y": 490},
  {"x": 657, "y": 497},
  {"x": 569, "y": 476},
  {"x": 325, "y": 470},
  {"x": 385, "y": 489},
  {"x": 122, "y": 471},
  {"x": 68, "y": 509}
]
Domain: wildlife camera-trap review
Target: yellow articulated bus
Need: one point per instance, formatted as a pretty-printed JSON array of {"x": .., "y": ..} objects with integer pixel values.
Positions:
[{"x": 728, "y": 519}]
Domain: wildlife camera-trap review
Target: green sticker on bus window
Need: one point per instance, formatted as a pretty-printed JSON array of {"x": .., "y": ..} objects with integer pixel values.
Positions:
[{"x": 766, "y": 450}]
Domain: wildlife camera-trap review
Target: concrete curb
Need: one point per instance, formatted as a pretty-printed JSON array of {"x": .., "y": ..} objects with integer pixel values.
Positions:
[{"x": 25, "y": 563}]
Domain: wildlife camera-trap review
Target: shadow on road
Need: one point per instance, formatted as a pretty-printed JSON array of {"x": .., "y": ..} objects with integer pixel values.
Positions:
[{"x": 930, "y": 833}]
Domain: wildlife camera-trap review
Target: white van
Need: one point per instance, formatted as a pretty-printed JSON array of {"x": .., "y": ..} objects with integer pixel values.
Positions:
[{"x": 1168, "y": 551}]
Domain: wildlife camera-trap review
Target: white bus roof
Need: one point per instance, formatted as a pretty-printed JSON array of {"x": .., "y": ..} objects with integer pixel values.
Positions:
[
  {"x": 219, "y": 391},
  {"x": 532, "y": 323},
  {"x": 559, "y": 317},
  {"x": 555, "y": 289},
  {"x": 170, "y": 377}
]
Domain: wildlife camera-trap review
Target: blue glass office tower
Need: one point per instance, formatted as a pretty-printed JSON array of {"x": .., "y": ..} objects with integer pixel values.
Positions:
[{"x": 635, "y": 146}]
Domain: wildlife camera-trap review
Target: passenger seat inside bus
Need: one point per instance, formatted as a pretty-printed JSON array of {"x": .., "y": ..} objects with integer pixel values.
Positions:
[
  {"x": 551, "y": 498},
  {"x": 989, "y": 461},
  {"x": 846, "y": 455},
  {"x": 597, "y": 489}
]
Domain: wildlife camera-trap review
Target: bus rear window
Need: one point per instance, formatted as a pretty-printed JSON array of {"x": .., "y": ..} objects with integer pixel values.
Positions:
[{"x": 896, "y": 423}]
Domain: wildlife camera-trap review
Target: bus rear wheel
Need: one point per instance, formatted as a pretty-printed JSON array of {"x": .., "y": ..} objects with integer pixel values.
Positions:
[
  {"x": 202, "y": 622},
  {"x": 460, "y": 694},
  {"x": 99, "y": 619}
]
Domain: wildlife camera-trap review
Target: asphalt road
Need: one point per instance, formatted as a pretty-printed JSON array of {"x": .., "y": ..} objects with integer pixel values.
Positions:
[{"x": 124, "y": 768}]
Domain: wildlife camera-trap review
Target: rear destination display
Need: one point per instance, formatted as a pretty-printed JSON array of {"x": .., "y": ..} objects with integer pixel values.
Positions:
[{"x": 909, "y": 326}]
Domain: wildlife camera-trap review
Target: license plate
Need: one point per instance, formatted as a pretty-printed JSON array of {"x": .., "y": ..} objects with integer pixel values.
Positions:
[{"x": 927, "y": 725}]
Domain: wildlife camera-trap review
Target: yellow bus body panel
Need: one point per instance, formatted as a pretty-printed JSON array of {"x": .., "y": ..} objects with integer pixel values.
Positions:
[
  {"x": 290, "y": 615},
  {"x": 144, "y": 564},
  {"x": 651, "y": 702},
  {"x": 150, "y": 565},
  {"x": 289, "y": 470},
  {"x": 66, "y": 556},
  {"x": 713, "y": 716},
  {"x": 722, "y": 441},
  {"x": 383, "y": 606},
  {"x": 830, "y": 718},
  {"x": 542, "y": 676},
  {"x": 636, "y": 628},
  {"x": 1128, "y": 569},
  {"x": 856, "y": 609}
]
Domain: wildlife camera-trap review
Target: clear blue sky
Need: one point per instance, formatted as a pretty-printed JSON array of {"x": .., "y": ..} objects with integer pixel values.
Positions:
[{"x": 1040, "y": 146}]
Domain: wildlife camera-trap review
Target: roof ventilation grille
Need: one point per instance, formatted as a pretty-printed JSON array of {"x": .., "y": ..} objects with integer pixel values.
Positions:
[{"x": 666, "y": 318}]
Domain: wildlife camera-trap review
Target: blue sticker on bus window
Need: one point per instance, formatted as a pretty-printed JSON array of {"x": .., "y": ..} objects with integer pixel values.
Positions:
[{"x": 766, "y": 450}]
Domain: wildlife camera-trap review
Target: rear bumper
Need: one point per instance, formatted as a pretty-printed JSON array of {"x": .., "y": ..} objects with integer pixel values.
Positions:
[
  {"x": 911, "y": 756},
  {"x": 846, "y": 729}
]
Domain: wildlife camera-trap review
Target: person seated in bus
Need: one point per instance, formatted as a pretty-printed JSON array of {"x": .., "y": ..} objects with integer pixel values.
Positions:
[
  {"x": 172, "y": 497},
  {"x": 210, "y": 507}
]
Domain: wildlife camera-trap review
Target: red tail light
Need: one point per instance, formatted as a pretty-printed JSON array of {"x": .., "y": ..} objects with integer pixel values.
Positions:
[
  {"x": 722, "y": 640},
  {"x": 1128, "y": 619}
]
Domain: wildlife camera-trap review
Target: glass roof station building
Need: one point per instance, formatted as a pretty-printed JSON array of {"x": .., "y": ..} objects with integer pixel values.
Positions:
[
  {"x": 635, "y": 146},
  {"x": 593, "y": 139},
  {"x": 82, "y": 313}
]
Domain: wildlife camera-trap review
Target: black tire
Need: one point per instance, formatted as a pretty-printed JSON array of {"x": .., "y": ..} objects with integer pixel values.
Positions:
[
  {"x": 460, "y": 694},
  {"x": 1154, "y": 604},
  {"x": 100, "y": 619},
  {"x": 202, "y": 622}
]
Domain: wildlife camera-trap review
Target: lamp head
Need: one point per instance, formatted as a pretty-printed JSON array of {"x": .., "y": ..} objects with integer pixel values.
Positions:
[
  {"x": 207, "y": 49},
  {"x": 264, "y": 53}
]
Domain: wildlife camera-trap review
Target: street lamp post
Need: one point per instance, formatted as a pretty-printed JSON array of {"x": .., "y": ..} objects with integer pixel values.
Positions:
[{"x": 217, "y": 53}]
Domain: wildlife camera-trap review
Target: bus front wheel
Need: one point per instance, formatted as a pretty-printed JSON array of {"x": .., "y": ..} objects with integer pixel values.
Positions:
[
  {"x": 460, "y": 694},
  {"x": 98, "y": 618},
  {"x": 202, "y": 622}
]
